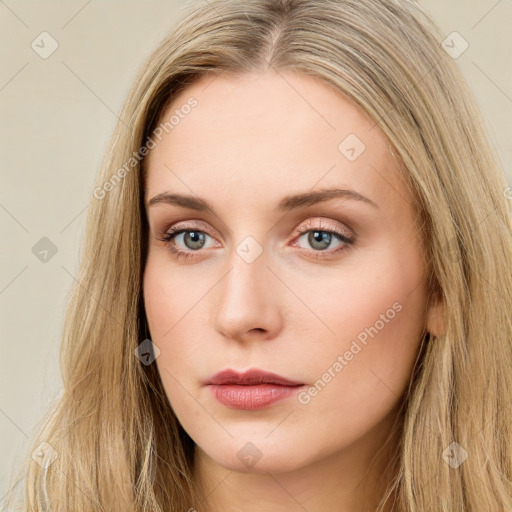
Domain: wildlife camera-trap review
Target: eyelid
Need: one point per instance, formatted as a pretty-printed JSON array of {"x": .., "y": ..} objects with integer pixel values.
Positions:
[
  {"x": 336, "y": 227},
  {"x": 186, "y": 225},
  {"x": 310, "y": 224},
  {"x": 198, "y": 225}
]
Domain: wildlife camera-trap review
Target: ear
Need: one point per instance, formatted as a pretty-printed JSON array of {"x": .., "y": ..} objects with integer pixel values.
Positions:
[{"x": 435, "y": 319}]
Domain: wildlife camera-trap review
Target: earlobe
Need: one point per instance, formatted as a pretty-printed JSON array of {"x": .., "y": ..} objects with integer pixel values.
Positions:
[{"x": 436, "y": 319}]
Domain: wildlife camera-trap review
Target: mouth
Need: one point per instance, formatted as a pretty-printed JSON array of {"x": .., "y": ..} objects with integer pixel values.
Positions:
[{"x": 251, "y": 390}]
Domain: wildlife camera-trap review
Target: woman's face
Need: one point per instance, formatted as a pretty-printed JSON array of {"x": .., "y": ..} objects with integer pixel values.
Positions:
[{"x": 328, "y": 291}]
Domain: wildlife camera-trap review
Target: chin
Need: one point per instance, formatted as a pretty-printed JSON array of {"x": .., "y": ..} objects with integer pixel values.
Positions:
[{"x": 259, "y": 456}]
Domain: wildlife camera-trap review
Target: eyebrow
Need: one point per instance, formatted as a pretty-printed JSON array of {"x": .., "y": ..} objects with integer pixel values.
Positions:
[{"x": 286, "y": 204}]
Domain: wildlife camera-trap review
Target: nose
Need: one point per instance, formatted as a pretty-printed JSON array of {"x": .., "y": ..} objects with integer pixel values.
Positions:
[{"x": 248, "y": 301}]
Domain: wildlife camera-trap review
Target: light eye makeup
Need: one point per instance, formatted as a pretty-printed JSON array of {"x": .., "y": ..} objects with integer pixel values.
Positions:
[{"x": 315, "y": 239}]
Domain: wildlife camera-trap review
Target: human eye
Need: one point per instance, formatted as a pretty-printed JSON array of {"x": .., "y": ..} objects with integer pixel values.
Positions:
[
  {"x": 320, "y": 236},
  {"x": 185, "y": 240}
]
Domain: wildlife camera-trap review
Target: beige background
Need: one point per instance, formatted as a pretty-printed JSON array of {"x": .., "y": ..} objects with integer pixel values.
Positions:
[{"x": 56, "y": 115}]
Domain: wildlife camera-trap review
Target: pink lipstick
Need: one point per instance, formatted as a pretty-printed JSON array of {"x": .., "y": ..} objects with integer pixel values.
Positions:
[{"x": 251, "y": 390}]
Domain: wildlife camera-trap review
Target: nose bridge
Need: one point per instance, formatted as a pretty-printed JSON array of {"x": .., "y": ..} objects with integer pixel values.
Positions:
[
  {"x": 249, "y": 264},
  {"x": 247, "y": 298}
]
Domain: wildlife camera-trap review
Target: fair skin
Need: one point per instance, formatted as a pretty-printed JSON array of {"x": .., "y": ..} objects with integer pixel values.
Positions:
[{"x": 251, "y": 141}]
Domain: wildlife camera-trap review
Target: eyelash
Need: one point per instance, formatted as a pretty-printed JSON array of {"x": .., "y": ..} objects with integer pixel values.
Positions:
[{"x": 317, "y": 254}]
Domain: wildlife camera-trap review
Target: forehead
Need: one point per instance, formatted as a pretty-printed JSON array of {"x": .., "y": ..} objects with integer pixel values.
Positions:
[{"x": 265, "y": 134}]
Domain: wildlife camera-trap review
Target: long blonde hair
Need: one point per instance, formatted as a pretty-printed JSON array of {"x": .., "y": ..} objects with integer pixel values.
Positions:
[{"x": 113, "y": 443}]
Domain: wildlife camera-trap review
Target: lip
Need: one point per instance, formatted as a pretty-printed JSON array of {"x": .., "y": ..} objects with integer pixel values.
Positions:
[
  {"x": 251, "y": 377},
  {"x": 251, "y": 390}
]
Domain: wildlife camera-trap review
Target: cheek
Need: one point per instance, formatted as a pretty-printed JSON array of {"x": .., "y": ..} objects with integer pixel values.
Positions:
[
  {"x": 170, "y": 294},
  {"x": 360, "y": 379},
  {"x": 378, "y": 315},
  {"x": 174, "y": 310}
]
